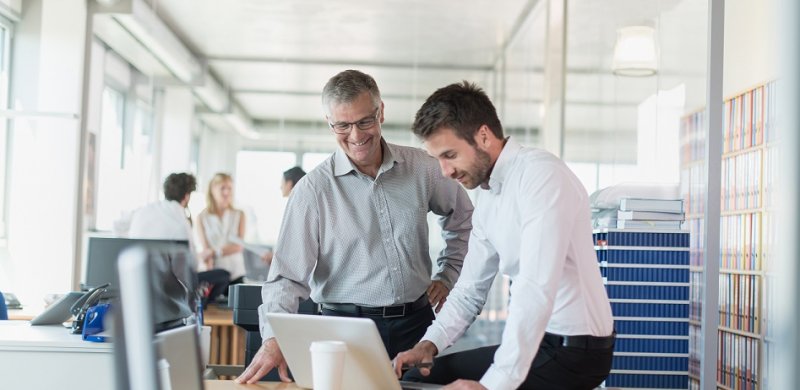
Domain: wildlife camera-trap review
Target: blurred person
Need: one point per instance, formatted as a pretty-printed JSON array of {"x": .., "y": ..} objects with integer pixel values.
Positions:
[
  {"x": 355, "y": 233},
  {"x": 170, "y": 219},
  {"x": 290, "y": 178},
  {"x": 221, "y": 229}
]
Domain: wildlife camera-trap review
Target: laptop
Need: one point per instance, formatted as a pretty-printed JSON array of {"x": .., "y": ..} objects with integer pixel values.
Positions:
[
  {"x": 58, "y": 311},
  {"x": 255, "y": 269},
  {"x": 366, "y": 366}
]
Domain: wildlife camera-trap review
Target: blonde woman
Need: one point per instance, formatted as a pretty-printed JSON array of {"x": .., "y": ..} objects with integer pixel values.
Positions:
[{"x": 221, "y": 229}]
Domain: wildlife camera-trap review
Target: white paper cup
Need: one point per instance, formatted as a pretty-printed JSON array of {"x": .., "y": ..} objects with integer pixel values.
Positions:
[
  {"x": 327, "y": 364},
  {"x": 205, "y": 344}
]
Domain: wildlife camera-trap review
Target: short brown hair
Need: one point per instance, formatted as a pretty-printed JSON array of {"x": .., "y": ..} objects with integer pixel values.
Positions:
[
  {"x": 177, "y": 185},
  {"x": 463, "y": 107}
]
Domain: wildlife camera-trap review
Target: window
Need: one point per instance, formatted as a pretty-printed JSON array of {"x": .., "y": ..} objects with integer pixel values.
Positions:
[
  {"x": 258, "y": 180},
  {"x": 5, "y": 151},
  {"x": 125, "y": 159},
  {"x": 311, "y": 160}
]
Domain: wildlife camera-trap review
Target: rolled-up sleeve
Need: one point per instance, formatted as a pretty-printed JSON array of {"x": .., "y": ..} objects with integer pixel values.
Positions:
[
  {"x": 296, "y": 255},
  {"x": 452, "y": 204}
]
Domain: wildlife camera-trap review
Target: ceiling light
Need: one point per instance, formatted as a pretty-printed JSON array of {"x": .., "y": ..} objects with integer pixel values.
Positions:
[
  {"x": 146, "y": 28},
  {"x": 635, "y": 52}
]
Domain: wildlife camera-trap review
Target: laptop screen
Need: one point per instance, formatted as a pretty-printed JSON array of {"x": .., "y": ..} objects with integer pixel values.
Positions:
[{"x": 367, "y": 365}]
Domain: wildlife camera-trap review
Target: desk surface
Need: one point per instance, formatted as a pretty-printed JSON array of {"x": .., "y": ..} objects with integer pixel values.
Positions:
[
  {"x": 217, "y": 315},
  {"x": 21, "y": 336},
  {"x": 226, "y": 385}
]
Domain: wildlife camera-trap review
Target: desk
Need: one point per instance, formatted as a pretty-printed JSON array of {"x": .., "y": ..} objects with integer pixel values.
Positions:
[
  {"x": 228, "y": 385},
  {"x": 227, "y": 339},
  {"x": 48, "y": 357}
]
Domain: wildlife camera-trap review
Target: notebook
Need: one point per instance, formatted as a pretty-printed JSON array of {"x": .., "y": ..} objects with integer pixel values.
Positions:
[{"x": 366, "y": 366}]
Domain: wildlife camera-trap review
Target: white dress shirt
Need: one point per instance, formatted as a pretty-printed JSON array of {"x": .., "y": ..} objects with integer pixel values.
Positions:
[
  {"x": 349, "y": 238},
  {"x": 165, "y": 220},
  {"x": 223, "y": 231},
  {"x": 532, "y": 224}
]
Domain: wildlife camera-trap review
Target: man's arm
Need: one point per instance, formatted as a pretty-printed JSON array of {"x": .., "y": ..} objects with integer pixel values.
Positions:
[
  {"x": 452, "y": 204},
  {"x": 547, "y": 206},
  {"x": 466, "y": 300},
  {"x": 287, "y": 284}
]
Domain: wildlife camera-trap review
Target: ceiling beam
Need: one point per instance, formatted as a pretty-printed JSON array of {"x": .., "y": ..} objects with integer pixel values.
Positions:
[
  {"x": 277, "y": 92},
  {"x": 356, "y": 63}
]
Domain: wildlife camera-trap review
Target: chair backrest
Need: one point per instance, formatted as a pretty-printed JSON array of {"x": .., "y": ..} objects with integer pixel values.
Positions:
[{"x": 3, "y": 309}]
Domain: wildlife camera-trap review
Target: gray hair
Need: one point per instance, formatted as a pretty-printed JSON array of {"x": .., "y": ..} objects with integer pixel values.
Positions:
[{"x": 346, "y": 87}]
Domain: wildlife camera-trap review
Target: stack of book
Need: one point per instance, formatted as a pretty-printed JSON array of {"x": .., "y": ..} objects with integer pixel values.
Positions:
[
  {"x": 642, "y": 213},
  {"x": 661, "y": 214},
  {"x": 646, "y": 273}
]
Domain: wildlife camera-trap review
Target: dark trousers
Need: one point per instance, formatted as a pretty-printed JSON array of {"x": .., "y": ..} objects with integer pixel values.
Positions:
[
  {"x": 398, "y": 333},
  {"x": 554, "y": 367}
]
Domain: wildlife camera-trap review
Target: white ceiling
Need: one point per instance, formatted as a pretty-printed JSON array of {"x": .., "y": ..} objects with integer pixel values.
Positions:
[{"x": 276, "y": 55}]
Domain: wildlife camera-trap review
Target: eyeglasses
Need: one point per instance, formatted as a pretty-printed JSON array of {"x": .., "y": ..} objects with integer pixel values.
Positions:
[{"x": 363, "y": 124}]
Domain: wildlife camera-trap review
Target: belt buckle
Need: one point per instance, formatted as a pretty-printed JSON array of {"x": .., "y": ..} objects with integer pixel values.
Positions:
[{"x": 402, "y": 312}]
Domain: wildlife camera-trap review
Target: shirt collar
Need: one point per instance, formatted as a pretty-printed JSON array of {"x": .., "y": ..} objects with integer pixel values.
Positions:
[
  {"x": 342, "y": 165},
  {"x": 503, "y": 165}
]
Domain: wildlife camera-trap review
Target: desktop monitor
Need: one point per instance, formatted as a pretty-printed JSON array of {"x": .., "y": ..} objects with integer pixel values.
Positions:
[
  {"x": 102, "y": 254},
  {"x": 139, "y": 351}
]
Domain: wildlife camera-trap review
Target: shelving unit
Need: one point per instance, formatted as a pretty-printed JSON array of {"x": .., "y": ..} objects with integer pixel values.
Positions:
[{"x": 748, "y": 169}]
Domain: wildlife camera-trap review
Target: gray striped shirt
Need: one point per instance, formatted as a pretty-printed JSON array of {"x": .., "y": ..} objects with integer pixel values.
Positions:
[{"x": 349, "y": 238}]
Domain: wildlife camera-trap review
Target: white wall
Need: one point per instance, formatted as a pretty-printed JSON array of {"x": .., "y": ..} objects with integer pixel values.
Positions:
[
  {"x": 176, "y": 130},
  {"x": 751, "y": 54}
]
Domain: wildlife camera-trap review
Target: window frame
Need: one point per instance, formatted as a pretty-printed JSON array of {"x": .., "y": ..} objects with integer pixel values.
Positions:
[{"x": 5, "y": 80}]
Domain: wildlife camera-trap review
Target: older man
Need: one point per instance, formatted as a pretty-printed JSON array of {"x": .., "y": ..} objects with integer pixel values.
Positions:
[{"x": 355, "y": 233}]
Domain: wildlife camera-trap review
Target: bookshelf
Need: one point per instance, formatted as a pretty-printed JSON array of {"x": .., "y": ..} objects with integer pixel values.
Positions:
[{"x": 747, "y": 223}]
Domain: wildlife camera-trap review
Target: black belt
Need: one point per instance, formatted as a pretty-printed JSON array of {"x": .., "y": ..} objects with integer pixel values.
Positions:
[
  {"x": 583, "y": 342},
  {"x": 393, "y": 311}
]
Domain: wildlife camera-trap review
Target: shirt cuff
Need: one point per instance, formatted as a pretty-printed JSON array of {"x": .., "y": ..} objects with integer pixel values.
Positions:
[
  {"x": 448, "y": 276},
  {"x": 437, "y": 337},
  {"x": 495, "y": 379},
  {"x": 264, "y": 328}
]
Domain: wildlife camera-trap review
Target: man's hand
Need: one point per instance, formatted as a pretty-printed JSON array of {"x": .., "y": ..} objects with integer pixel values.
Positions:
[
  {"x": 423, "y": 352},
  {"x": 268, "y": 357},
  {"x": 437, "y": 294},
  {"x": 462, "y": 384}
]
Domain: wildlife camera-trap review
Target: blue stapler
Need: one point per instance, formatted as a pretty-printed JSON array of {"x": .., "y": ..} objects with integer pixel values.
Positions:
[{"x": 93, "y": 322}]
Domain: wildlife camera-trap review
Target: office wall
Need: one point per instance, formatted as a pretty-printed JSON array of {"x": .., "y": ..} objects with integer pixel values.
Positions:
[
  {"x": 751, "y": 53},
  {"x": 176, "y": 130}
]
